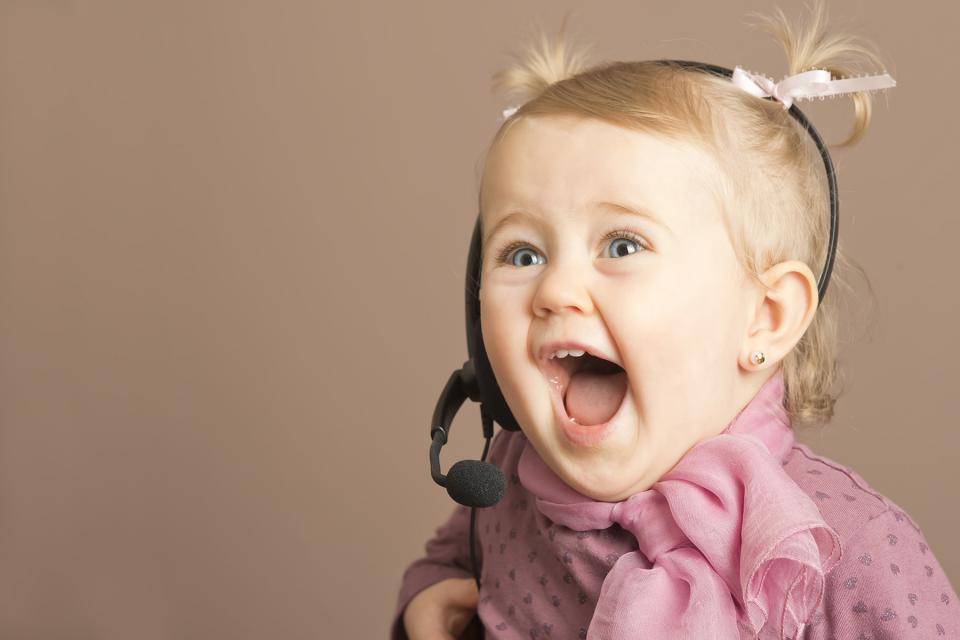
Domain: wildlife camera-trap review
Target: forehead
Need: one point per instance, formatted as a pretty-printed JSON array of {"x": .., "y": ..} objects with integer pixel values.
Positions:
[{"x": 553, "y": 164}]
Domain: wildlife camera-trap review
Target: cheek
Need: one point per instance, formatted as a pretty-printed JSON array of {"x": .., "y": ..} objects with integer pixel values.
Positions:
[
  {"x": 503, "y": 329},
  {"x": 712, "y": 305},
  {"x": 668, "y": 317}
]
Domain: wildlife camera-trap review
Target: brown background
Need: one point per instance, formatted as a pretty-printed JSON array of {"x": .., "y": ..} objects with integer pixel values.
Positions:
[{"x": 232, "y": 241}]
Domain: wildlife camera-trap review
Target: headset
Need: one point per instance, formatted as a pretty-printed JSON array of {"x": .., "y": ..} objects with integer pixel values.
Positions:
[{"x": 480, "y": 484}]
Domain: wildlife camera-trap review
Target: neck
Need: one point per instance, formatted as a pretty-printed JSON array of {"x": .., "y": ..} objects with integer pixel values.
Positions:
[{"x": 765, "y": 418}]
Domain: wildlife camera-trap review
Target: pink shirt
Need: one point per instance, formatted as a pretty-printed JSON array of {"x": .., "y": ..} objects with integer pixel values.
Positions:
[{"x": 542, "y": 580}]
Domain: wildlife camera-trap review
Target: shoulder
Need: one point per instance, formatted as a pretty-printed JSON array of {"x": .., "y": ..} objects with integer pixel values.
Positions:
[
  {"x": 846, "y": 501},
  {"x": 888, "y": 581}
]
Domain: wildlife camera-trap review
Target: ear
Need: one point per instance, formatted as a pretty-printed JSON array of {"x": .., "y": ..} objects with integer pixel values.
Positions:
[{"x": 781, "y": 314}]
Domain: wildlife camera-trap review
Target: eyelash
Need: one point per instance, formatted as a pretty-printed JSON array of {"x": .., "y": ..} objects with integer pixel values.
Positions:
[{"x": 503, "y": 256}]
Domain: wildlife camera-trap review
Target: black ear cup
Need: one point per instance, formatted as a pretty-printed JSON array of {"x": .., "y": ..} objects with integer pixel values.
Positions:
[
  {"x": 490, "y": 395},
  {"x": 490, "y": 392}
]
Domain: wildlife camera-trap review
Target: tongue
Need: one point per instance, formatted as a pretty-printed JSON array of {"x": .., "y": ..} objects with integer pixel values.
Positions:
[{"x": 593, "y": 398}]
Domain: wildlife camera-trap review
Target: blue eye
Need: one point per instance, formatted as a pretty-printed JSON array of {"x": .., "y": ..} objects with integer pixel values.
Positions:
[
  {"x": 520, "y": 254},
  {"x": 621, "y": 247},
  {"x": 527, "y": 257}
]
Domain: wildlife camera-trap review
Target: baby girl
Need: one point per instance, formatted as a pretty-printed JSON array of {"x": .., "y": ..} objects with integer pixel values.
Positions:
[{"x": 652, "y": 236}]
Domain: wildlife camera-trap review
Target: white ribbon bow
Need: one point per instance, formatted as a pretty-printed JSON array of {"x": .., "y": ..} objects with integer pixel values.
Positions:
[
  {"x": 806, "y": 85},
  {"x": 809, "y": 84}
]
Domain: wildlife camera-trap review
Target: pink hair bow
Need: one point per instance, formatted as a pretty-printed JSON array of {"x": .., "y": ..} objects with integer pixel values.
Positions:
[{"x": 809, "y": 84}]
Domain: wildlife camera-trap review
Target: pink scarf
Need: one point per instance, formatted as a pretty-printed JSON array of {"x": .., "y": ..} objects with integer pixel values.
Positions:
[{"x": 735, "y": 545}]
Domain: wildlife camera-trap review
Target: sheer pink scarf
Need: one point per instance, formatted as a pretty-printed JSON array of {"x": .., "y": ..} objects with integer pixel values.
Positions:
[{"x": 728, "y": 543}]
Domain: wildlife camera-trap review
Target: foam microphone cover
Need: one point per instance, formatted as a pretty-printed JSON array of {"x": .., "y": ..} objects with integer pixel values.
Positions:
[{"x": 474, "y": 483}]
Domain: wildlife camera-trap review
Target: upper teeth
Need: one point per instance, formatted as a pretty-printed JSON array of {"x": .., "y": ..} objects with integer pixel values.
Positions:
[{"x": 563, "y": 353}]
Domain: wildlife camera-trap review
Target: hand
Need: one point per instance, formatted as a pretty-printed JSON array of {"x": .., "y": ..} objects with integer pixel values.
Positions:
[{"x": 441, "y": 611}]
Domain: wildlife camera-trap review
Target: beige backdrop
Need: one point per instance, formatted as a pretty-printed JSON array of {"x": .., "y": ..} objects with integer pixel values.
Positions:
[{"x": 232, "y": 242}]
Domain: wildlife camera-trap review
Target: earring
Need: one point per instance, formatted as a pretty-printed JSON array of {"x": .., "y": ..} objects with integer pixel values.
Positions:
[{"x": 758, "y": 357}]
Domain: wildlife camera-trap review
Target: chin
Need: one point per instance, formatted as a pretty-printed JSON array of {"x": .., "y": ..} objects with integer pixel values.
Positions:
[
  {"x": 589, "y": 471},
  {"x": 599, "y": 481}
]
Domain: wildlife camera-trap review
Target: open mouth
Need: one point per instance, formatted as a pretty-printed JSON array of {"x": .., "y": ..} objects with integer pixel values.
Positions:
[{"x": 591, "y": 389}]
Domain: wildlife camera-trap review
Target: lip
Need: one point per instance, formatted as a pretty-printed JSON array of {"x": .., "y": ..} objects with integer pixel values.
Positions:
[{"x": 548, "y": 348}]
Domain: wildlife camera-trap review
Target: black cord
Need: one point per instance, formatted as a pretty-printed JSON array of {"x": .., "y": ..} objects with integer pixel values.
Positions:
[
  {"x": 473, "y": 551},
  {"x": 487, "y": 434}
]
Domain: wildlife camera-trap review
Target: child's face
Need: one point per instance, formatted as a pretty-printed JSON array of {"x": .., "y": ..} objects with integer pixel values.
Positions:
[{"x": 672, "y": 308}]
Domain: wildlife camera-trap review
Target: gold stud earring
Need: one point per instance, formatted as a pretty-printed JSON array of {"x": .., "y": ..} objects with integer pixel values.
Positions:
[{"x": 758, "y": 357}]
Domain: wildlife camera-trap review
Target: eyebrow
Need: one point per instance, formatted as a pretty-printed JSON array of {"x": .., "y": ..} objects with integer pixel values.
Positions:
[{"x": 609, "y": 206}]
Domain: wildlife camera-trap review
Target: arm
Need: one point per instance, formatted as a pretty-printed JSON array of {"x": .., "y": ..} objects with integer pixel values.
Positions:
[
  {"x": 888, "y": 585},
  {"x": 447, "y": 556}
]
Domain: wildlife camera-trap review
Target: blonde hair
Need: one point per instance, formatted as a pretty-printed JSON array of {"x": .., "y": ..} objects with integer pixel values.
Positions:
[{"x": 772, "y": 173}]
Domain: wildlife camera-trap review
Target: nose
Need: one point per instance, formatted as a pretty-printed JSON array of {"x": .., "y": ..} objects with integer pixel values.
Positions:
[{"x": 562, "y": 290}]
